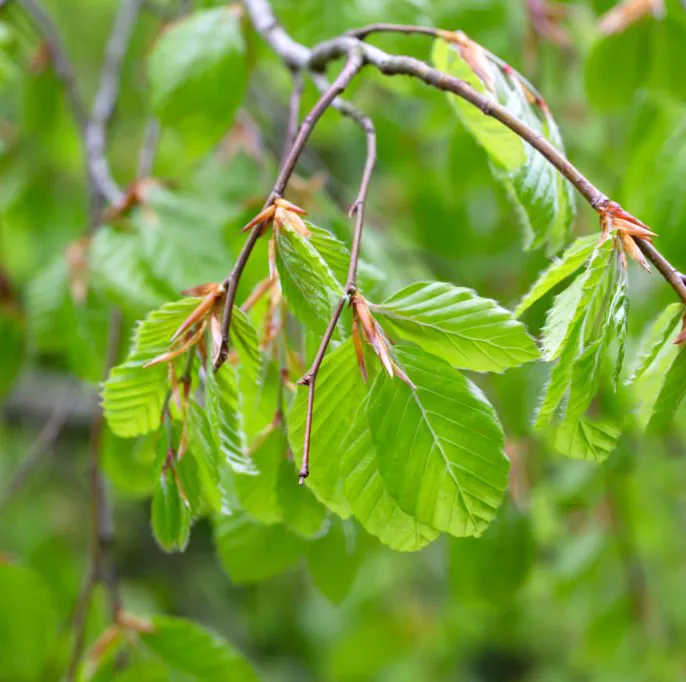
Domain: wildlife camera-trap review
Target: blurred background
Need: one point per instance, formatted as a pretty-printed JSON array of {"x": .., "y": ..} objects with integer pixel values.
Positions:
[{"x": 582, "y": 576}]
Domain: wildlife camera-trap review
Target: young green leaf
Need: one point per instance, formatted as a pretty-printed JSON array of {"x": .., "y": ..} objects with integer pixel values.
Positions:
[
  {"x": 661, "y": 332},
  {"x": 251, "y": 552},
  {"x": 198, "y": 73},
  {"x": 542, "y": 200},
  {"x": 133, "y": 394},
  {"x": 671, "y": 394},
  {"x": 226, "y": 419},
  {"x": 170, "y": 514},
  {"x": 454, "y": 323},
  {"x": 440, "y": 446},
  {"x": 583, "y": 438},
  {"x": 309, "y": 285},
  {"x": 371, "y": 503},
  {"x": 561, "y": 268},
  {"x": 191, "y": 649},
  {"x": 337, "y": 256},
  {"x": 572, "y": 304}
]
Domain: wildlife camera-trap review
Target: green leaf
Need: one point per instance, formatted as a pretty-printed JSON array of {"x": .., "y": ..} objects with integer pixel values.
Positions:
[
  {"x": 572, "y": 304},
  {"x": 130, "y": 463},
  {"x": 339, "y": 392},
  {"x": 366, "y": 492},
  {"x": 561, "y": 268},
  {"x": 583, "y": 438},
  {"x": 244, "y": 337},
  {"x": 505, "y": 147},
  {"x": 251, "y": 552},
  {"x": 333, "y": 559},
  {"x": 543, "y": 200},
  {"x": 198, "y": 74},
  {"x": 171, "y": 514},
  {"x": 189, "y": 648},
  {"x": 663, "y": 330},
  {"x": 214, "y": 474},
  {"x": 671, "y": 394},
  {"x": 337, "y": 257},
  {"x": 492, "y": 569},
  {"x": 308, "y": 283},
  {"x": 226, "y": 419},
  {"x": 258, "y": 494},
  {"x": 454, "y": 323},
  {"x": 440, "y": 446},
  {"x": 133, "y": 395},
  {"x": 27, "y": 623}
]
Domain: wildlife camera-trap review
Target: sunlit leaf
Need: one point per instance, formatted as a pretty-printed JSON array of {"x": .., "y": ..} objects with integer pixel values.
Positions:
[
  {"x": 170, "y": 514},
  {"x": 440, "y": 446},
  {"x": 561, "y": 268},
  {"x": 309, "y": 285},
  {"x": 454, "y": 323},
  {"x": 133, "y": 394},
  {"x": 371, "y": 503}
]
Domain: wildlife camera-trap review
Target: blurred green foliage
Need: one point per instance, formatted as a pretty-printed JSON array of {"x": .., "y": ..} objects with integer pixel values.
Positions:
[{"x": 580, "y": 576}]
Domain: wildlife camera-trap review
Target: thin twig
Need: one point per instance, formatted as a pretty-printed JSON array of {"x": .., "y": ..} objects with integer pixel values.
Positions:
[
  {"x": 146, "y": 156},
  {"x": 353, "y": 65},
  {"x": 39, "y": 449},
  {"x": 357, "y": 209},
  {"x": 106, "y": 98},
  {"x": 405, "y": 29},
  {"x": 296, "y": 55},
  {"x": 101, "y": 568}
]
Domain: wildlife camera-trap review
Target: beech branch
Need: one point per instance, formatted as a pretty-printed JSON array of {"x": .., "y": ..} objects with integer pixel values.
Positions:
[{"x": 295, "y": 55}]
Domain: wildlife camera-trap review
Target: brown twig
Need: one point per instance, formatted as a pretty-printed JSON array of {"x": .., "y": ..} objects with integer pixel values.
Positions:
[
  {"x": 100, "y": 568},
  {"x": 405, "y": 29},
  {"x": 353, "y": 64}
]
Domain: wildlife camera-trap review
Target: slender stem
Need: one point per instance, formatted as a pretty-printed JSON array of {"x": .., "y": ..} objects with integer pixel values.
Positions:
[
  {"x": 100, "y": 568},
  {"x": 352, "y": 67},
  {"x": 40, "y": 448},
  {"x": 310, "y": 379},
  {"x": 106, "y": 98},
  {"x": 146, "y": 156},
  {"x": 358, "y": 210}
]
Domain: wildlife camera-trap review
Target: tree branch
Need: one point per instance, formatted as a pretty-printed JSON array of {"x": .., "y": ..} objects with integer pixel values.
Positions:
[
  {"x": 296, "y": 55},
  {"x": 106, "y": 98},
  {"x": 353, "y": 65}
]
